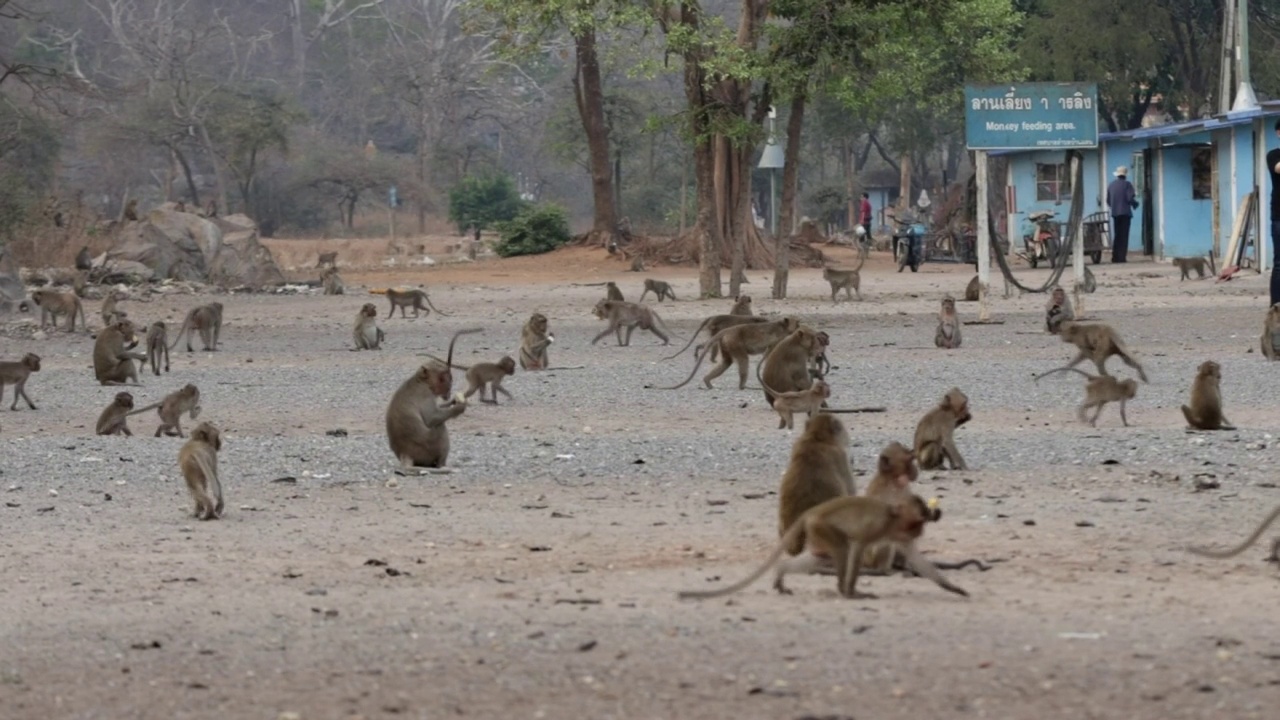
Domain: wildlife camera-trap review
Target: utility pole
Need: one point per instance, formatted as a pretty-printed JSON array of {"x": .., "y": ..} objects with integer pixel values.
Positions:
[{"x": 1245, "y": 99}]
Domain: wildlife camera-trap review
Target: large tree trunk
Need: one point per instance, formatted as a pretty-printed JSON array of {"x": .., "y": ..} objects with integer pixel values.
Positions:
[
  {"x": 589, "y": 94},
  {"x": 904, "y": 181},
  {"x": 298, "y": 41},
  {"x": 790, "y": 181},
  {"x": 706, "y": 230}
]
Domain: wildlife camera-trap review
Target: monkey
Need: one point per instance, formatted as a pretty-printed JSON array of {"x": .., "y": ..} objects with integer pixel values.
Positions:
[
  {"x": 971, "y": 290},
  {"x": 327, "y": 258},
  {"x": 131, "y": 210},
  {"x": 490, "y": 374},
  {"x": 1224, "y": 554},
  {"x": 741, "y": 306},
  {"x": 1205, "y": 411},
  {"x": 157, "y": 344},
  {"x": 1057, "y": 310},
  {"x": 947, "y": 335},
  {"x": 846, "y": 279},
  {"x": 198, "y": 460},
  {"x": 785, "y": 367},
  {"x": 1097, "y": 343},
  {"x": 637, "y": 264},
  {"x": 205, "y": 319},
  {"x": 1187, "y": 264},
  {"x": 416, "y": 429},
  {"x": 112, "y": 360},
  {"x": 935, "y": 434},
  {"x": 808, "y": 401},
  {"x": 611, "y": 292},
  {"x": 660, "y": 288},
  {"x": 16, "y": 372},
  {"x": 180, "y": 207},
  {"x": 366, "y": 334},
  {"x": 737, "y": 344},
  {"x": 109, "y": 306},
  {"x": 818, "y": 471},
  {"x": 1271, "y": 333},
  {"x": 820, "y": 365},
  {"x": 84, "y": 261},
  {"x": 115, "y": 419},
  {"x": 170, "y": 409},
  {"x": 54, "y": 303},
  {"x": 714, "y": 325},
  {"x": 843, "y": 528},
  {"x": 332, "y": 282},
  {"x": 534, "y": 339},
  {"x": 896, "y": 469},
  {"x": 415, "y": 299},
  {"x": 630, "y": 315},
  {"x": 1100, "y": 390}
]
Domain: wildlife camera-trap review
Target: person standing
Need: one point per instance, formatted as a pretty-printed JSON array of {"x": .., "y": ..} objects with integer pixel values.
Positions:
[
  {"x": 864, "y": 215},
  {"x": 1273, "y": 165},
  {"x": 1122, "y": 200}
]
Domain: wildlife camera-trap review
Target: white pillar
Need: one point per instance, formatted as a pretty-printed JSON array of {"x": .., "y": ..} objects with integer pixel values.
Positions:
[
  {"x": 984, "y": 237},
  {"x": 1077, "y": 245}
]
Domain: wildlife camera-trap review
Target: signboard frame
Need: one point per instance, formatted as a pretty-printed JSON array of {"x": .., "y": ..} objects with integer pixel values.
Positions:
[{"x": 1031, "y": 116}]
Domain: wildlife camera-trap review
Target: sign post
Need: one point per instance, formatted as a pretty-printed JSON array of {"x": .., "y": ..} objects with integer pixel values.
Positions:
[{"x": 1026, "y": 116}]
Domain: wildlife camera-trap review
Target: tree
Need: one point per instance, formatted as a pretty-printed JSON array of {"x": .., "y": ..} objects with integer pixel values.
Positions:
[{"x": 246, "y": 125}]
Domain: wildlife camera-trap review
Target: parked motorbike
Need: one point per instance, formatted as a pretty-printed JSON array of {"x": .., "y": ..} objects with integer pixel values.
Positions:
[
  {"x": 1042, "y": 242},
  {"x": 908, "y": 241}
]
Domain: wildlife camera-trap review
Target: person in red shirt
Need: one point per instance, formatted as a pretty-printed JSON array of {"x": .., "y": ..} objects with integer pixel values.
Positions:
[{"x": 864, "y": 214}]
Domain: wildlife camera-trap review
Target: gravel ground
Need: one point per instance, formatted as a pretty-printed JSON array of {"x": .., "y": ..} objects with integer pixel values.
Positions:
[{"x": 538, "y": 579}]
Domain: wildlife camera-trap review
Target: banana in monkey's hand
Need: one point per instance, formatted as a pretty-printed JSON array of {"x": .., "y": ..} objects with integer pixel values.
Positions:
[{"x": 933, "y": 503}]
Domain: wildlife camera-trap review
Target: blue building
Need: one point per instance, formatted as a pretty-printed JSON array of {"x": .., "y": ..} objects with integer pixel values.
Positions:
[{"x": 1191, "y": 179}]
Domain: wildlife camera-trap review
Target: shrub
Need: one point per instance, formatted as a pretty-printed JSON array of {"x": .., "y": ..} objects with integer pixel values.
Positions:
[
  {"x": 483, "y": 202},
  {"x": 536, "y": 230}
]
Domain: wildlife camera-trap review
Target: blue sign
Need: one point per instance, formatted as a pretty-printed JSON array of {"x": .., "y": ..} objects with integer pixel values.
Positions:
[
  {"x": 392, "y": 198},
  {"x": 1031, "y": 116}
]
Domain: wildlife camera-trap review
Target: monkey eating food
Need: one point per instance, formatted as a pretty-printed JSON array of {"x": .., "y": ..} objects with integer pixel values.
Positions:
[{"x": 935, "y": 434}]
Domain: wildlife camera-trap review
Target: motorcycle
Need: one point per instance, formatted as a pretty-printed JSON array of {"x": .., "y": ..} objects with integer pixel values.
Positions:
[
  {"x": 908, "y": 242},
  {"x": 1042, "y": 241}
]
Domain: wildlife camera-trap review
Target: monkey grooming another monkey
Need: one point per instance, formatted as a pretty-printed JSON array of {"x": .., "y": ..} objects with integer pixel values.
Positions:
[
  {"x": 935, "y": 434},
  {"x": 112, "y": 360},
  {"x": 332, "y": 282},
  {"x": 198, "y": 460},
  {"x": 1057, "y": 310},
  {"x": 1271, "y": 333},
  {"x": 416, "y": 299},
  {"x": 115, "y": 419},
  {"x": 948, "y": 333},
  {"x": 658, "y": 287},
  {"x": 54, "y": 303},
  {"x": 1253, "y": 537},
  {"x": 818, "y": 471},
  {"x": 415, "y": 421},
  {"x": 534, "y": 340},
  {"x": 206, "y": 320},
  {"x": 1100, "y": 390},
  {"x": 329, "y": 258},
  {"x": 490, "y": 374},
  {"x": 1096, "y": 342},
  {"x": 157, "y": 344},
  {"x": 630, "y": 315},
  {"x": 848, "y": 280},
  {"x": 971, "y": 290},
  {"x": 737, "y": 344},
  {"x": 171, "y": 408},
  {"x": 741, "y": 306},
  {"x": 785, "y": 367},
  {"x": 366, "y": 334},
  {"x": 1205, "y": 411},
  {"x": 842, "y": 528},
  {"x": 612, "y": 292},
  {"x": 1187, "y": 264},
  {"x": 15, "y": 373}
]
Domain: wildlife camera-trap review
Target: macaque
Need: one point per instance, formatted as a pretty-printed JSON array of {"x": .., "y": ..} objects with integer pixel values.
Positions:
[
  {"x": 1198, "y": 264},
  {"x": 948, "y": 333},
  {"x": 109, "y": 306},
  {"x": 131, "y": 210},
  {"x": 629, "y": 315},
  {"x": 741, "y": 306},
  {"x": 157, "y": 344},
  {"x": 327, "y": 258},
  {"x": 847, "y": 280},
  {"x": 366, "y": 334},
  {"x": 491, "y": 374},
  {"x": 1271, "y": 333},
  {"x": 115, "y": 419},
  {"x": 715, "y": 324},
  {"x": 612, "y": 292},
  {"x": 971, "y": 290},
  {"x": 785, "y": 368},
  {"x": 171, "y": 408},
  {"x": 54, "y": 303},
  {"x": 416, "y": 299},
  {"x": 205, "y": 319},
  {"x": 331, "y": 281},
  {"x": 737, "y": 343},
  {"x": 1100, "y": 390},
  {"x": 84, "y": 261},
  {"x": 1205, "y": 411},
  {"x": 15, "y": 373},
  {"x": 198, "y": 460},
  {"x": 659, "y": 288},
  {"x": 1057, "y": 310},
  {"x": 637, "y": 264},
  {"x": 534, "y": 340},
  {"x": 818, "y": 471},
  {"x": 1096, "y": 342},
  {"x": 415, "y": 421},
  {"x": 935, "y": 434},
  {"x": 1224, "y": 554},
  {"x": 113, "y": 360}
]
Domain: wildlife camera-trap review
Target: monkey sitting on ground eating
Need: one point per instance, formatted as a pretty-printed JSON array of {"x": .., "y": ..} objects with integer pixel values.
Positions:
[
  {"x": 366, "y": 335},
  {"x": 114, "y": 420},
  {"x": 198, "y": 460},
  {"x": 947, "y": 335},
  {"x": 1057, "y": 310},
  {"x": 1205, "y": 411},
  {"x": 841, "y": 529},
  {"x": 112, "y": 355},
  {"x": 935, "y": 434},
  {"x": 1100, "y": 390},
  {"x": 415, "y": 420},
  {"x": 659, "y": 288},
  {"x": 534, "y": 340}
]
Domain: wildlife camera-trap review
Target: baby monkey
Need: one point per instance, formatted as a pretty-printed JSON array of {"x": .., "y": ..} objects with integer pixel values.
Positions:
[
  {"x": 115, "y": 419},
  {"x": 490, "y": 374},
  {"x": 947, "y": 335},
  {"x": 842, "y": 528},
  {"x": 1100, "y": 390}
]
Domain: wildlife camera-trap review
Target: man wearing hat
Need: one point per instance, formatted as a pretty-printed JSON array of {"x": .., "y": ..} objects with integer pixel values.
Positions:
[{"x": 1122, "y": 200}]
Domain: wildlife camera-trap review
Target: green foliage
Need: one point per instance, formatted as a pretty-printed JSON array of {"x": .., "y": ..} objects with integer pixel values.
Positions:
[
  {"x": 483, "y": 201},
  {"x": 536, "y": 230},
  {"x": 28, "y": 148}
]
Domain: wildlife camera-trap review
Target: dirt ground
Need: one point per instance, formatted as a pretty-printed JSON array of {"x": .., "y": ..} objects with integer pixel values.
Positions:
[{"x": 538, "y": 580}]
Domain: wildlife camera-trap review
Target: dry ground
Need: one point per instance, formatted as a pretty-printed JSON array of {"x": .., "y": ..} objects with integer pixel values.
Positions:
[{"x": 538, "y": 580}]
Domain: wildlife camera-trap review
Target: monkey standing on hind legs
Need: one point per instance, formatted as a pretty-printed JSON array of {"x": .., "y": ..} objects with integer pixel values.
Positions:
[
  {"x": 198, "y": 460},
  {"x": 1205, "y": 411},
  {"x": 1100, "y": 390},
  {"x": 15, "y": 373},
  {"x": 935, "y": 440},
  {"x": 415, "y": 421},
  {"x": 114, "y": 420},
  {"x": 841, "y": 529},
  {"x": 948, "y": 333},
  {"x": 1253, "y": 537}
]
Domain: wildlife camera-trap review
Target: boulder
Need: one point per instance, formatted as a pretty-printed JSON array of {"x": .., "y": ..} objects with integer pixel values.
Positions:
[
  {"x": 241, "y": 259},
  {"x": 13, "y": 294},
  {"x": 175, "y": 245}
]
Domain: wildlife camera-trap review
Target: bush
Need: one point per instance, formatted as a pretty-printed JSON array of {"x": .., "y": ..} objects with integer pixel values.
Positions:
[
  {"x": 536, "y": 230},
  {"x": 484, "y": 202}
]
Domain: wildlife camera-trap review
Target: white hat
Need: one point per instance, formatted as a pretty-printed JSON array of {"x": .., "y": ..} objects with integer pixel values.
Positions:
[{"x": 1122, "y": 171}]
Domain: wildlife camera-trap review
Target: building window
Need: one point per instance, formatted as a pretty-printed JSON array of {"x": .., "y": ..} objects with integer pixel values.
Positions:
[
  {"x": 1053, "y": 184},
  {"x": 1202, "y": 174}
]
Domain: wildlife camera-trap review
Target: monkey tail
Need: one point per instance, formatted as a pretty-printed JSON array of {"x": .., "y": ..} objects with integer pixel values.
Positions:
[
  {"x": 787, "y": 538},
  {"x": 1064, "y": 369},
  {"x": 178, "y": 338},
  {"x": 152, "y": 406},
  {"x": 661, "y": 322},
  {"x": 760, "y": 378},
  {"x": 467, "y": 331},
  {"x": 1222, "y": 554},
  {"x": 210, "y": 478},
  {"x": 862, "y": 257},
  {"x": 692, "y": 338},
  {"x": 706, "y": 350},
  {"x": 433, "y": 305}
]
